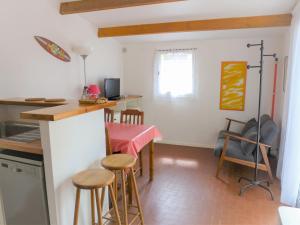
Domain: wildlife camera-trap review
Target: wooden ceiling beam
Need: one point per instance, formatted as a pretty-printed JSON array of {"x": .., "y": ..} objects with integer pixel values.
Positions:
[
  {"x": 82, "y": 6},
  {"x": 198, "y": 25}
]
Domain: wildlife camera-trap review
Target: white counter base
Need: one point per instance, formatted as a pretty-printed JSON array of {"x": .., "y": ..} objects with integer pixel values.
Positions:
[{"x": 71, "y": 145}]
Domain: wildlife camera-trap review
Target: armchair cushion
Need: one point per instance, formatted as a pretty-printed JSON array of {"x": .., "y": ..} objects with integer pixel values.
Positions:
[
  {"x": 234, "y": 150},
  {"x": 248, "y": 148},
  {"x": 219, "y": 147},
  {"x": 264, "y": 118},
  {"x": 251, "y": 123},
  {"x": 269, "y": 131}
]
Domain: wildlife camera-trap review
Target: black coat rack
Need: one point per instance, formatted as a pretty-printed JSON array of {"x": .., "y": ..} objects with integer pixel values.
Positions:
[{"x": 255, "y": 182}]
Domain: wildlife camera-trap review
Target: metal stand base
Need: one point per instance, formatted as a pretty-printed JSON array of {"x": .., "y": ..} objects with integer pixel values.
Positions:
[{"x": 257, "y": 183}]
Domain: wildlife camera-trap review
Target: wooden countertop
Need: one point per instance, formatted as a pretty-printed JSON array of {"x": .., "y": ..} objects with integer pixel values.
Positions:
[
  {"x": 53, "y": 111},
  {"x": 34, "y": 147},
  {"x": 21, "y": 101}
]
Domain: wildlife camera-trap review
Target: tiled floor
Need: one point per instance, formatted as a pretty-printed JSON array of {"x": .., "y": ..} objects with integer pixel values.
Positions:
[{"x": 185, "y": 191}]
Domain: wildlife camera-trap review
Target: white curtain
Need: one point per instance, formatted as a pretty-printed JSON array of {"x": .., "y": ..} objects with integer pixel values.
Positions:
[
  {"x": 290, "y": 176},
  {"x": 174, "y": 73}
]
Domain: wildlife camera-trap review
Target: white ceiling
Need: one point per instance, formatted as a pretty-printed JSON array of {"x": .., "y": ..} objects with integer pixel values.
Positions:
[
  {"x": 192, "y": 10},
  {"x": 188, "y": 10}
]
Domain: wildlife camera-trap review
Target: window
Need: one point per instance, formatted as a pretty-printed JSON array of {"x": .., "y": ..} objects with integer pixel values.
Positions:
[{"x": 174, "y": 73}]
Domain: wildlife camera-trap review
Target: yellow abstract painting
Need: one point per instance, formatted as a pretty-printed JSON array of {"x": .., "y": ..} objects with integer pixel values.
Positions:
[{"x": 233, "y": 85}]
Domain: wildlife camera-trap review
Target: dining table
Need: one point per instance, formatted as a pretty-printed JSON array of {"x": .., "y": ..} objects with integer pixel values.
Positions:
[{"x": 132, "y": 138}]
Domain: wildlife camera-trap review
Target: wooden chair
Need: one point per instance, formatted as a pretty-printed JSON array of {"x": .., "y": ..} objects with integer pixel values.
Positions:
[
  {"x": 134, "y": 116},
  {"x": 108, "y": 115}
]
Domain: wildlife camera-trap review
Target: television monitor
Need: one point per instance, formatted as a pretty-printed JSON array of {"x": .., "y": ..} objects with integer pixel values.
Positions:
[{"x": 112, "y": 88}]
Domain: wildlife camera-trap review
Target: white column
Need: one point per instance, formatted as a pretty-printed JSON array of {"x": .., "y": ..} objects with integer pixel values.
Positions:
[{"x": 71, "y": 145}]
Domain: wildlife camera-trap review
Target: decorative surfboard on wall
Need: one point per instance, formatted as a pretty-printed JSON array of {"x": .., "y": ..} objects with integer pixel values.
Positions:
[
  {"x": 233, "y": 85},
  {"x": 53, "y": 49}
]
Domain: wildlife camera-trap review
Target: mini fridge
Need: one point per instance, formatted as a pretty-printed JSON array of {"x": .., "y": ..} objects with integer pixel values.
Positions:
[{"x": 22, "y": 187}]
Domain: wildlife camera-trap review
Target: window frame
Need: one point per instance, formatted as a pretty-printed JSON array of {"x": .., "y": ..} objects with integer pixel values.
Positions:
[{"x": 168, "y": 96}]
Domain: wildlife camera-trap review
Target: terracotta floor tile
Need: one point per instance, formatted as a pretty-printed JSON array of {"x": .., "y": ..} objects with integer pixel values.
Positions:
[{"x": 185, "y": 191}]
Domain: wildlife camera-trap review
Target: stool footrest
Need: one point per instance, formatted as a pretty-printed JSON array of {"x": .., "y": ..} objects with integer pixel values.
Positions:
[
  {"x": 134, "y": 219},
  {"x": 121, "y": 212},
  {"x": 109, "y": 212}
]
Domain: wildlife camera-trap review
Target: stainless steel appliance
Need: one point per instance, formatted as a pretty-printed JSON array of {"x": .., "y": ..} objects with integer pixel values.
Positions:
[
  {"x": 22, "y": 182},
  {"x": 22, "y": 187},
  {"x": 10, "y": 130}
]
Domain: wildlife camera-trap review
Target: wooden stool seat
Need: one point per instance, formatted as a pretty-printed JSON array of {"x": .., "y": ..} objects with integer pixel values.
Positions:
[
  {"x": 118, "y": 161},
  {"x": 93, "y": 178}
]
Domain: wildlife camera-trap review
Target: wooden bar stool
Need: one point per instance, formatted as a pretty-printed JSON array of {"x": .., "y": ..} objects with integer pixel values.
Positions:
[
  {"x": 123, "y": 163},
  {"x": 93, "y": 180}
]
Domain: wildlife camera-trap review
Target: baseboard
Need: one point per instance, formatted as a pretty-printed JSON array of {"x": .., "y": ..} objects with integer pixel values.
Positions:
[{"x": 197, "y": 145}]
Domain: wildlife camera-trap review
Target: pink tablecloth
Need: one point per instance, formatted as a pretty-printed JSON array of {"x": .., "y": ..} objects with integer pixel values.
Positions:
[{"x": 129, "y": 138}]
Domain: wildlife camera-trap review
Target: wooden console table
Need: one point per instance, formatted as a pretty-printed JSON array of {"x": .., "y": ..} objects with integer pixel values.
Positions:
[{"x": 128, "y": 102}]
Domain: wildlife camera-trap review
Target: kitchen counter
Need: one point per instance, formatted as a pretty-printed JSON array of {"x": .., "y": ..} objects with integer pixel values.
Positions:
[
  {"x": 72, "y": 139},
  {"x": 53, "y": 111},
  {"x": 34, "y": 147}
]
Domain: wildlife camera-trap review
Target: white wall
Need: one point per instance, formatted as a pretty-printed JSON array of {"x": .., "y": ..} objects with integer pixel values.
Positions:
[
  {"x": 28, "y": 70},
  {"x": 280, "y": 93},
  {"x": 281, "y": 103},
  {"x": 197, "y": 122}
]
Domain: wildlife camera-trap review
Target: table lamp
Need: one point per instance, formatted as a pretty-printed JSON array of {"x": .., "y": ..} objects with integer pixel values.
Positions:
[
  {"x": 84, "y": 52},
  {"x": 94, "y": 91}
]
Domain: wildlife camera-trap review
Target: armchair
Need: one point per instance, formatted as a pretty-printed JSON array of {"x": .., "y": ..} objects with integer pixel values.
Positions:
[
  {"x": 242, "y": 149},
  {"x": 246, "y": 127}
]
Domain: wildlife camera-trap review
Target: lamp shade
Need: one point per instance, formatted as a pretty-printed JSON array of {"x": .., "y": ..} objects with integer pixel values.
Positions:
[
  {"x": 94, "y": 90},
  {"x": 82, "y": 50}
]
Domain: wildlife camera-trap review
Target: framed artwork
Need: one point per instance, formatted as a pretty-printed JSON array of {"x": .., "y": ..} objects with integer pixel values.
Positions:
[
  {"x": 233, "y": 85},
  {"x": 53, "y": 49}
]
